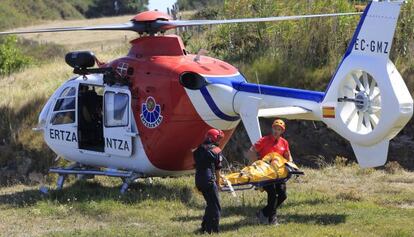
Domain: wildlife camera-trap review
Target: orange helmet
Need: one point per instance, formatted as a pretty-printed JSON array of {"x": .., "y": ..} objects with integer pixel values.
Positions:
[
  {"x": 214, "y": 135},
  {"x": 280, "y": 123}
]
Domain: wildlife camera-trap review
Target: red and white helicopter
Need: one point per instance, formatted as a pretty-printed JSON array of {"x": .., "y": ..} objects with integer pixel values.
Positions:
[{"x": 141, "y": 115}]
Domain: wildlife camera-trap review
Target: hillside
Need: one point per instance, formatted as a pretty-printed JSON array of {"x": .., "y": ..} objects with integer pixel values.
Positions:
[
  {"x": 18, "y": 13},
  {"x": 26, "y": 12}
]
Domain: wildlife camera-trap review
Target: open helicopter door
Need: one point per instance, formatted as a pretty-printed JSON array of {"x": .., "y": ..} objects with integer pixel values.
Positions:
[
  {"x": 117, "y": 121},
  {"x": 62, "y": 128}
]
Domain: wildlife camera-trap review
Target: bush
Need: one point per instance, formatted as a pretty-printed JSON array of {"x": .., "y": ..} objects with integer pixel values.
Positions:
[
  {"x": 209, "y": 13},
  {"x": 11, "y": 57},
  {"x": 101, "y": 8},
  {"x": 197, "y": 4}
]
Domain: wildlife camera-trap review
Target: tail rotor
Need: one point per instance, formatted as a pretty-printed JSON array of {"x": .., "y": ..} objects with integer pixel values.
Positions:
[{"x": 371, "y": 101}]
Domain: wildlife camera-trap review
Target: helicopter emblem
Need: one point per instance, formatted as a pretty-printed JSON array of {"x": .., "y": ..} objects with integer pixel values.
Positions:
[
  {"x": 151, "y": 113},
  {"x": 122, "y": 68}
]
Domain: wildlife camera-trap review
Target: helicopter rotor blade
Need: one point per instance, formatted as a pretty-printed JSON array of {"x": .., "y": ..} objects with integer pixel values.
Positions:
[
  {"x": 131, "y": 26},
  {"x": 166, "y": 25},
  {"x": 154, "y": 26}
]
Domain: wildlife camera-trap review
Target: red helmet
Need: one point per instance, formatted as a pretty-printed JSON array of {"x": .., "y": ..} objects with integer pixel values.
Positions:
[{"x": 214, "y": 135}]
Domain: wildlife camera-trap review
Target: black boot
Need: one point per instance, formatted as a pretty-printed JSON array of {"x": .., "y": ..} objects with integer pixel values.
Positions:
[
  {"x": 261, "y": 217},
  {"x": 273, "y": 220}
]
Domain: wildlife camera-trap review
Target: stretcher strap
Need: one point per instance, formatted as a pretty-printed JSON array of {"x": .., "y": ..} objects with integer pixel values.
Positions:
[{"x": 228, "y": 184}]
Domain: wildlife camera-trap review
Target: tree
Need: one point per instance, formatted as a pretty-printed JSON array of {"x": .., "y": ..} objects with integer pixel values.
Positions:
[
  {"x": 198, "y": 4},
  {"x": 114, "y": 7}
]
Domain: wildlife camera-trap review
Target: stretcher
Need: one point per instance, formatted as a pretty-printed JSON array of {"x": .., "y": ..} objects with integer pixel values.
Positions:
[{"x": 273, "y": 168}]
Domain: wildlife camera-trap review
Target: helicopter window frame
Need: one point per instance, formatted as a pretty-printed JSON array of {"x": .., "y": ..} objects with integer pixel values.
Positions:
[
  {"x": 69, "y": 93},
  {"x": 125, "y": 117},
  {"x": 65, "y": 103}
]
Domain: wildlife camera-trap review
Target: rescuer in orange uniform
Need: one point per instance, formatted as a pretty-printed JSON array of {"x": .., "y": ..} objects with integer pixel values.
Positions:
[{"x": 276, "y": 193}]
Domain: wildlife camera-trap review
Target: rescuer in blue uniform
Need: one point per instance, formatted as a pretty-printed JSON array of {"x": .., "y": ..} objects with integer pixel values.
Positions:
[{"x": 208, "y": 159}]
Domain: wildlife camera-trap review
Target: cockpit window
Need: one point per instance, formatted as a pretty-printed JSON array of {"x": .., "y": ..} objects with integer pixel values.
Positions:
[
  {"x": 116, "y": 109},
  {"x": 70, "y": 91},
  {"x": 65, "y": 106},
  {"x": 63, "y": 118}
]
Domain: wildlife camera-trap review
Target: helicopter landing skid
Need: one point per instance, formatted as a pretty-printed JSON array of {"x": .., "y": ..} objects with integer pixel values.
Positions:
[{"x": 127, "y": 177}]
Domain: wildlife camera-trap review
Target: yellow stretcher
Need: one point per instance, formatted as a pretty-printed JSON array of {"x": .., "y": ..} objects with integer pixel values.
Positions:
[{"x": 273, "y": 168}]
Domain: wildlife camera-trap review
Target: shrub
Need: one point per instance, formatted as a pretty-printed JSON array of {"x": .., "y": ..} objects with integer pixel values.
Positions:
[
  {"x": 11, "y": 57},
  {"x": 340, "y": 162},
  {"x": 198, "y": 4},
  {"x": 209, "y": 13},
  {"x": 101, "y": 8}
]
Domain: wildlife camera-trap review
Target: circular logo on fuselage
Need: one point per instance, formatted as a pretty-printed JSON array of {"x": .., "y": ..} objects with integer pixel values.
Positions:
[{"x": 151, "y": 113}]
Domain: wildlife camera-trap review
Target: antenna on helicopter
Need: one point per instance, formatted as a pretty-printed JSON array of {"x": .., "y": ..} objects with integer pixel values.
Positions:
[
  {"x": 258, "y": 83},
  {"x": 200, "y": 53}
]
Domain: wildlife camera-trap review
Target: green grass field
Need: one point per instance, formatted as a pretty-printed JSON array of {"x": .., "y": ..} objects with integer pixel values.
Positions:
[{"x": 334, "y": 201}]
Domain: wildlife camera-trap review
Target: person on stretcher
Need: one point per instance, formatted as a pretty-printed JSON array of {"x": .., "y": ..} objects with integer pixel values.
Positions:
[{"x": 269, "y": 168}]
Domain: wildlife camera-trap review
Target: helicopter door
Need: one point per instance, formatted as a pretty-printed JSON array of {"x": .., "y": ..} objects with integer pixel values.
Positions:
[
  {"x": 62, "y": 129},
  {"x": 117, "y": 121}
]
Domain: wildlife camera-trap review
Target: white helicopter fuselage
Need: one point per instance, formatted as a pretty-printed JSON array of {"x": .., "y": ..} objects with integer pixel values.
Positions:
[{"x": 126, "y": 151}]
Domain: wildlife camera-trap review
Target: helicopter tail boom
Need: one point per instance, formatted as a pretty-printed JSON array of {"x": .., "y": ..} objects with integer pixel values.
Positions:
[{"x": 366, "y": 102}]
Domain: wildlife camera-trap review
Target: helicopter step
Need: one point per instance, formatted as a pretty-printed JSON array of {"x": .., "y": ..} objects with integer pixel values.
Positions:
[{"x": 83, "y": 172}]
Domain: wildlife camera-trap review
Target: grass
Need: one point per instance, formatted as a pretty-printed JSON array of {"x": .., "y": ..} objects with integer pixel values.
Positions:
[{"x": 334, "y": 201}]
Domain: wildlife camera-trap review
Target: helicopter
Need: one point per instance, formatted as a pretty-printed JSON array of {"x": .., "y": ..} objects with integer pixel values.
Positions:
[{"x": 141, "y": 115}]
